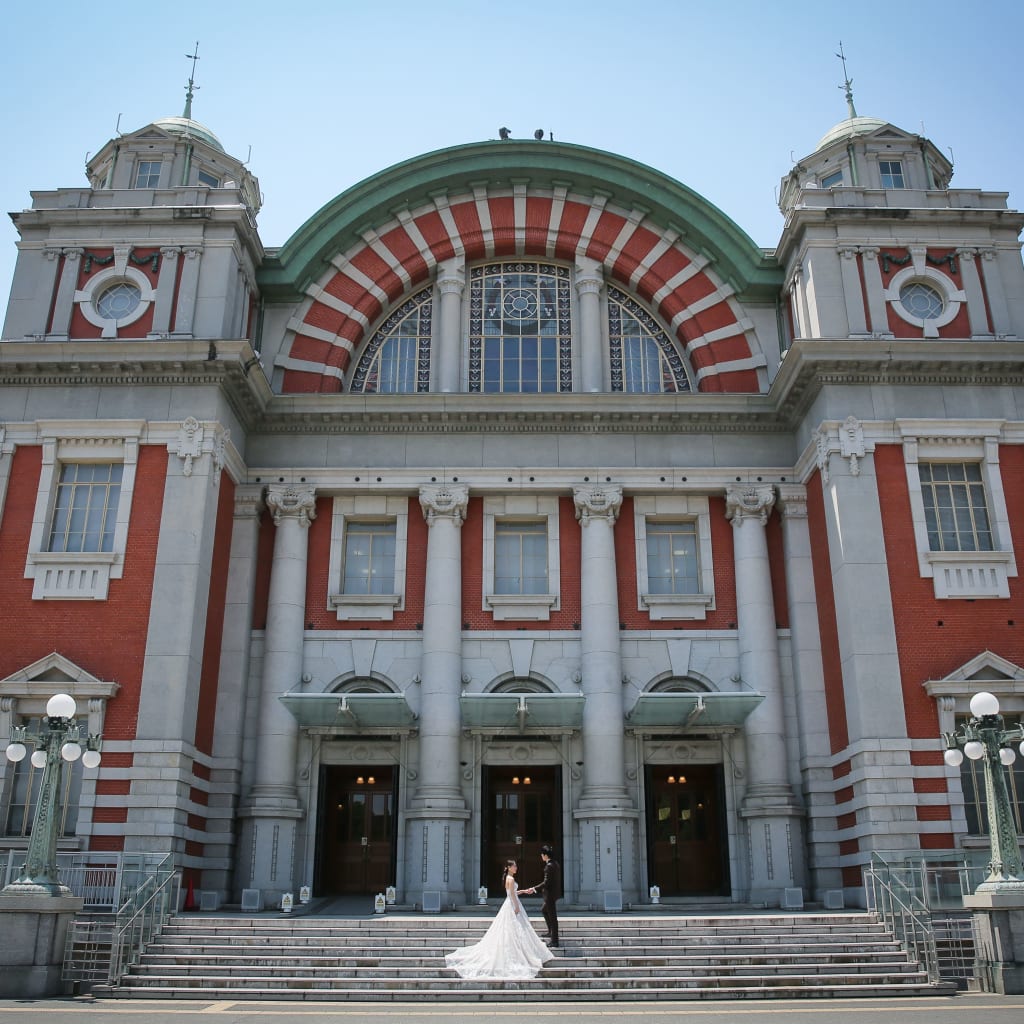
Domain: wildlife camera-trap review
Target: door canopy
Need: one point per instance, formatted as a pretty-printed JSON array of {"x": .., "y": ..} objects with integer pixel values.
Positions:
[{"x": 376, "y": 243}]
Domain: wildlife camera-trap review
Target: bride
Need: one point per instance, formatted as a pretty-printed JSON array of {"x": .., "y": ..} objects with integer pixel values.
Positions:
[{"x": 510, "y": 948}]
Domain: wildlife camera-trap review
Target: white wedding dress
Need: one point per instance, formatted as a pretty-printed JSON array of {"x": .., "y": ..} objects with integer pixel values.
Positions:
[{"x": 509, "y": 949}]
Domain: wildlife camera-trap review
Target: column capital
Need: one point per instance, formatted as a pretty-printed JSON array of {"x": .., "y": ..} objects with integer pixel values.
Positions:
[
  {"x": 289, "y": 501},
  {"x": 444, "y": 501},
  {"x": 588, "y": 277},
  {"x": 73, "y": 253},
  {"x": 871, "y": 251},
  {"x": 451, "y": 279},
  {"x": 248, "y": 501},
  {"x": 966, "y": 252},
  {"x": 600, "y": 501},
  {"x": 749, "y": 501},
  {"x": 848, "y": 252},
  {"x": 793, "y": 501},
  {"x": 170, "y": 252}
]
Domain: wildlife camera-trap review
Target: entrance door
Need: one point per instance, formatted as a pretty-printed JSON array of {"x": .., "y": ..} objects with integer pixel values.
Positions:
[
  {"x": 356, "y": 834},
  {"x": 685, "y": 830},
  {"x": 522, "y": 812}
]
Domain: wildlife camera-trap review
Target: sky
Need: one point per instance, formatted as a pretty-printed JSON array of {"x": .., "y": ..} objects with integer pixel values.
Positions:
[{"x": 319, "y": 95}]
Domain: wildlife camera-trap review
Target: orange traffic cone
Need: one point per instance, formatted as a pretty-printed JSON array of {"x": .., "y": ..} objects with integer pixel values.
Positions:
[{"x": 190, "y": 896}]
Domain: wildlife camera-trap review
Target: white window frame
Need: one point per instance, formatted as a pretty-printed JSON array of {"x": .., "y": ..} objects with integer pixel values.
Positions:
[
  {"x": 365, "y": 508},
  {"x": 901, "y": 163},
  {"x": 964, "y": 575},
  {"x": 522, "y": 508},
  {"x": 951, "y": 296},
  {"x": 80, "y": 575},
  {"x": 673, "y": 508},
  {"x": 823, "y": 181},
  {"x": 97, "y": 284}
]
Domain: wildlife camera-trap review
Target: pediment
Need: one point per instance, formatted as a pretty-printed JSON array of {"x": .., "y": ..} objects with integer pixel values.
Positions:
[
  {"x": 55, "y": 673},
  {"x": 985, "y": 671},
  {"x": 54, "y": 668}
]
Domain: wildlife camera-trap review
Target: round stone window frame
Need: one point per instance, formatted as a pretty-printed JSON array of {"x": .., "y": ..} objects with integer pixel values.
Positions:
[
  {"x": 99, "y": 283},
  {"x": 951, "y": 297}
]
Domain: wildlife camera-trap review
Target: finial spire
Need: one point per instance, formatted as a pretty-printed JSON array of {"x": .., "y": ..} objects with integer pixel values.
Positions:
[
  {"x": 847, "y": 83},
  {"x": 190, "y": 89}
]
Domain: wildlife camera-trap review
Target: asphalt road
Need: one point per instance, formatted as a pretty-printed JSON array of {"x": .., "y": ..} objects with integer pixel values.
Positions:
[{"x": 960, "y": 1009}]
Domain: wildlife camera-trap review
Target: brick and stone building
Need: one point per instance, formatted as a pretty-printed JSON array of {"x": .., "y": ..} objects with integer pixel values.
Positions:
[{"x": 518, "y": 498}]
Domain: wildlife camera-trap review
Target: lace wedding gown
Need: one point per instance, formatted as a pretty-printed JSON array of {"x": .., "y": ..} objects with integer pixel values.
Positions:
[{"x": 509, "y": 949}]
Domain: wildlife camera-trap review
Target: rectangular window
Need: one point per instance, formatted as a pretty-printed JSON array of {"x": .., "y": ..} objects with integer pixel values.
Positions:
[
  {"x": 672, "y": 566},
  {"x": 369, "y": 558},
  {"x": 832, "y": 180},
  {"x": 892, "y": 173},
  {"x": 23, "y": 784},
  {"x": 955, "y": 509},
  {"x": 85, "y": 512},
  {"x": 209, "y": 180},
  {"x": 972, "y": 779},
  {"x": 147, "y": 174},
  {"x": 520, "y": 558}
]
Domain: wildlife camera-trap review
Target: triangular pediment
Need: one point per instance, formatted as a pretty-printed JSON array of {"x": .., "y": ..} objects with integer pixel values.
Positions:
[
  {"x": 54, "y": 668},
  {"x": 985, "y": 671}
]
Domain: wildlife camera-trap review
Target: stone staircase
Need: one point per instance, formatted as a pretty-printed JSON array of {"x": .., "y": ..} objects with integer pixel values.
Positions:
[{"x": 401, "y": 959}]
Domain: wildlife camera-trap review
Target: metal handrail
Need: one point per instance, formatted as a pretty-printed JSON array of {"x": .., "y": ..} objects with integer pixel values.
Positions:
[
  {"x": 903, "y": 913},
  {"x": 142, "y": 917}
]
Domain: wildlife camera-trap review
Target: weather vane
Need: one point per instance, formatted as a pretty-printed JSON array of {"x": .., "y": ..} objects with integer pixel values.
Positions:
[
  {"x": 847, "y": 82},
  {"x": 190, "y": 89}
]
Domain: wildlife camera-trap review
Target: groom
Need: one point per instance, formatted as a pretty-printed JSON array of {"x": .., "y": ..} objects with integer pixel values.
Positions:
[{"x": 551, "y": 887}]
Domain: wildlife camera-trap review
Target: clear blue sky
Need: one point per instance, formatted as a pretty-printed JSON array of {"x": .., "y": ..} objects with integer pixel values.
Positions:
[{"x": 722, "y": 96}]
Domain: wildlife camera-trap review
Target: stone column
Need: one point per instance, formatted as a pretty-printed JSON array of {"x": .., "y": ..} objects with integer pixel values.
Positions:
[
  {"x": 806, "y": 696},
  {"x": 1001, "y": 322},
  {"x": 875, "y": 292},
  {"x": 436, "y": 819},
  {"x": 589, "y": 282},
  {"x": 605, "y": 815},
  {"x": 853, "y": 293},
  {"x": 272, "y": 806},
  {"x": 188, "y": 292},
  {"x": 232, "y": 691},
  {"x": 798, "y": 289},
  {"x": 977, "y": 315},
  {"x": 771, "y": 810},
  {"x": 451, "y": 283},
  {"x": 64, "y": 304},
  {"x": 164, "y": 301}
]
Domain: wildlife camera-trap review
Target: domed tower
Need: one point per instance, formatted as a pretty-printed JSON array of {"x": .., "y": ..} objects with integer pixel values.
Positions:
[
  {"x": 877, "y": 245},
  {"x": 162, "y": 244}
]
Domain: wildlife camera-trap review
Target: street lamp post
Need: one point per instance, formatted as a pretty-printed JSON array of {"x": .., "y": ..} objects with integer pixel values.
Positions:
[{"x": 57, "y": 740}]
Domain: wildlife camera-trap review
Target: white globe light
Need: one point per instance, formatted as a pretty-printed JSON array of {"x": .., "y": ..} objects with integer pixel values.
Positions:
[
  {"x": 38, "y": 758},
  {"x": 16, "y": 751},
  {"x": 1007, "y": 755},
  {"x": 61, "y": 705},
  {"x": 71, "y": 751},
  {"x": 975, "y": 749},
  {"x": 91, "y": 759},
  {"x": 1022, "y": 748},
  {"x": 983, "y": 704},
  {"x": 954, "y": 758}
]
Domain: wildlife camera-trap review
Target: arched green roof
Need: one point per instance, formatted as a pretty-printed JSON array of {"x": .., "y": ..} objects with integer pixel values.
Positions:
[{"x": 339, "y": 224}]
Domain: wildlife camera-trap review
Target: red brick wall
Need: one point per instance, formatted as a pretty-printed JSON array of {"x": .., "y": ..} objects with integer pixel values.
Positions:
[{"x": 206, "y": 712}]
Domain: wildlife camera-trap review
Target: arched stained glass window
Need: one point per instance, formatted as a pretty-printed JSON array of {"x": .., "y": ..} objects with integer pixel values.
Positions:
[
  {"x": 643, "y": 358},
  {"x": 520, "y": 334},
  {"x": 397, "y": 358}
]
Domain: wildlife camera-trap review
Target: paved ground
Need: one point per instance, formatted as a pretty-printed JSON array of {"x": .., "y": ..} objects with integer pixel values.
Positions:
[{"x": 961, "y": 1009}]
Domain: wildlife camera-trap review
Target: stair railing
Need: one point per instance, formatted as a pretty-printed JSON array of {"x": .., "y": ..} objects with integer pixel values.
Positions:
[
  {"x": 142, "y": 917},
  {"x": 903, "y": 913}
]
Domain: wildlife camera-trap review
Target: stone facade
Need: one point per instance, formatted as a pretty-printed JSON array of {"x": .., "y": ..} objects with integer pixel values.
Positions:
[{"x": 724, "y": 669}]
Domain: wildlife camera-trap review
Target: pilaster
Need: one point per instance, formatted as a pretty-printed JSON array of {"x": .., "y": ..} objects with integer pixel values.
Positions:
[
  {"x": 589, "y": 282},
  {"x": 451, "y": 285}
]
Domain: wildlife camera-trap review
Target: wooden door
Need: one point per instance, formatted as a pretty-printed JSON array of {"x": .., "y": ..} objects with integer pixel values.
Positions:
[
  {"x": 522, "y": 812},
  {"x": 685, "y": 830},
  {"x": 356, "y": 834}
]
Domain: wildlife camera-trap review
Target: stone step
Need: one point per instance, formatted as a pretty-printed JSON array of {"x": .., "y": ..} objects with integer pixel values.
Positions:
[{"x": 476, "y": 992}]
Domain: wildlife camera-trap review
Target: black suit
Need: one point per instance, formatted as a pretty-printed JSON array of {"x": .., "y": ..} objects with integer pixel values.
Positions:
[{"x": 551, "y": 888}]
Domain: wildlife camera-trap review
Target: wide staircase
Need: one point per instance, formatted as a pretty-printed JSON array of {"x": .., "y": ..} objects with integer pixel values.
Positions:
[{"x": 401, "y": 958}]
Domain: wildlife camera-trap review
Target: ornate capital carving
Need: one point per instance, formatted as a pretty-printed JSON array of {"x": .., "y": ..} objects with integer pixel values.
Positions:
[
  {"x": 966, "y": 252},
  {"x": 869, "y": 251},
  {"x": 601, "y": 501},
  {"x": 749, "y": 501},
  {"x": 444, "y": 501},
  {"x": 451, "y": 281},
  {"x": 848, "y": 252},
  {"x": 289, "y": 501},
  {"x": 793, "y": 501},
  {"x": 248, "y": 501},
  {"x": 72, "y": 254},
  {"x": 170, "y": 252}
]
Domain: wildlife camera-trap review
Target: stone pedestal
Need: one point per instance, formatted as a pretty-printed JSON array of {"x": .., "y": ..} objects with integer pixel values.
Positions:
[
  {"x": 33, "y": 932},
  {"x": 999, "y": 937}
]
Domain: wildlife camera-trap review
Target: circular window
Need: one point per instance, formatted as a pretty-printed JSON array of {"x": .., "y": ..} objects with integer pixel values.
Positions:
[
  {"x": 921, "y": 300},
  {"x": 118, "y": 301}
]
